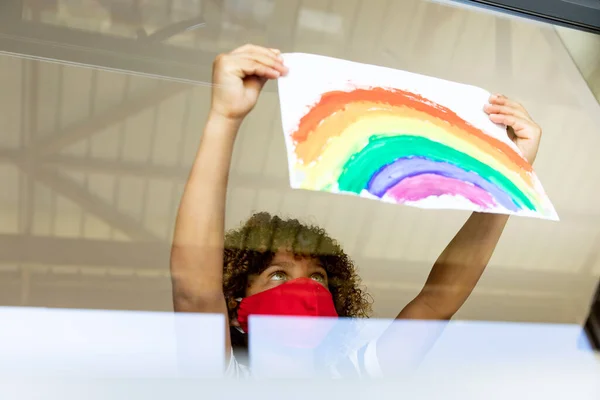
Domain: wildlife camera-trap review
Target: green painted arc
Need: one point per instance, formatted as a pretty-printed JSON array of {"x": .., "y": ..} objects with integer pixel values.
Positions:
[{"x": 384, "y": 149}]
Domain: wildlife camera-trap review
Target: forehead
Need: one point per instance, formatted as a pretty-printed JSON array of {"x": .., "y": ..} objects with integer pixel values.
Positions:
[{"x": 289, "y": 259}]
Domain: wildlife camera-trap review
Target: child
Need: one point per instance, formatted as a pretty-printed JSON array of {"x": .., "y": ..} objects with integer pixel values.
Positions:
[{"x": 282, "y": 267}]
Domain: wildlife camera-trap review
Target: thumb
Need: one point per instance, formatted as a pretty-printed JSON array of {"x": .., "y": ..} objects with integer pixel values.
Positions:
[{"x": 517, "y": 124}]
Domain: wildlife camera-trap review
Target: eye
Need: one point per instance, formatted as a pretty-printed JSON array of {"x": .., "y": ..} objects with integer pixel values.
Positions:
[
  {"x": 319, "y": 277},
  {"x": 278, "y": 276}
]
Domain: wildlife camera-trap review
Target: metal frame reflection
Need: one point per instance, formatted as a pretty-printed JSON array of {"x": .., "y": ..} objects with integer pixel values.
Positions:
[{"x": 143, "y": 57}]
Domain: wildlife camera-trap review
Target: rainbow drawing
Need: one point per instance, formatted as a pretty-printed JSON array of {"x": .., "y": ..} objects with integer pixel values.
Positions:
[{"x": 398, "y": 146}]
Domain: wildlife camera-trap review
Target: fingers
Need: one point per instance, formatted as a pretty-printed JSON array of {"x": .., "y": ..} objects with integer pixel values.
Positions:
[
  {"x": 520, "y": 127},
  {"x": 252, "y": 48},
  {"x": 501, "y": 100},
  {"x": 513, "y": 121},
  {"x": 270, "y": 62},
  {"x": 254, "y": 60},
  {"x": 259, "y": 51},
  {"x": 502, "y": 110},
  {"x": 506, "y": 110},
  {"x": 252, "y": 67}
]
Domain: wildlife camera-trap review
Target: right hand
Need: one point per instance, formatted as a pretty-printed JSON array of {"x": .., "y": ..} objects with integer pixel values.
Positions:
[{"x": 239, "y": 76}]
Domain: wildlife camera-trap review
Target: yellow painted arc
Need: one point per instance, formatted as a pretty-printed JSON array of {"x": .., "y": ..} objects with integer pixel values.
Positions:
[{"x": 336, "y": 151}]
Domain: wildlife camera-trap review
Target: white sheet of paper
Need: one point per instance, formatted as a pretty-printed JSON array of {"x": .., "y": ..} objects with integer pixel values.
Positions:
[{"x": 342, "y": 121}]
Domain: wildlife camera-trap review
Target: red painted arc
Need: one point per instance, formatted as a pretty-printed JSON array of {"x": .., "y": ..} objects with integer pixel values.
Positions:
[{"x": 336, "y": 101}]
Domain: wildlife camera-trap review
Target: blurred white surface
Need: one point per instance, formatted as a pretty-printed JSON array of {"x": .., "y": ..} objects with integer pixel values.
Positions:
[
  {"x": 424, "y": 350},
  {"x": 54, "y": 343}
]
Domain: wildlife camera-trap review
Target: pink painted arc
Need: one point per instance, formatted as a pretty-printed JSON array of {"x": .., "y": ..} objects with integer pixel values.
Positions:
[{"x": 426, "y": 185}]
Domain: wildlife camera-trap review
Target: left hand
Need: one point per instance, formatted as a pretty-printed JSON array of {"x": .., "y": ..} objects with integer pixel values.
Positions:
[{"x": 521, "y": 128}]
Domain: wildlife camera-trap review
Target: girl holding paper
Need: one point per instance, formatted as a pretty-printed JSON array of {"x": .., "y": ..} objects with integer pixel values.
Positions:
[{"x": 273, "y": 266}]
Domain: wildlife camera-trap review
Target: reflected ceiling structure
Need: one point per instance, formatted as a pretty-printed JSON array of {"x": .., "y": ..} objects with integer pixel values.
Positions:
[{"x": 94, "y": 159}]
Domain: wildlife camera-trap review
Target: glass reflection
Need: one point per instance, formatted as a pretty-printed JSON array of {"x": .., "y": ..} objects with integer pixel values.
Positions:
[
  {"x": 122, "y": 18},
  {"x": 93, "y": 163},
  {"x": 383, "y": 349}
]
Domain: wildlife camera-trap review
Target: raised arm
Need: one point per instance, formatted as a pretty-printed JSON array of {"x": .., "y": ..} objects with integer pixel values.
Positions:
[
  {"x": 197, "y": 251},
  {"x": 458, "y": 269}
]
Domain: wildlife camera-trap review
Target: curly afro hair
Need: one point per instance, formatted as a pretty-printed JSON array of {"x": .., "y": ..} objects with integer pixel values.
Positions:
[{"x": 250, "y": 249}]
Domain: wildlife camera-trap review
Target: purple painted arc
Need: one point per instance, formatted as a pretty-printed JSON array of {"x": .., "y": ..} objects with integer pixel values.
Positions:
[
  {"x": 392, "y": 174},
  {"x": 425, "y": 185}
]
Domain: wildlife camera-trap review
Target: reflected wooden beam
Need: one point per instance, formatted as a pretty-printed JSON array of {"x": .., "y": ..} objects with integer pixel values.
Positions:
[
  {"x": 25, "y": 287},
  {"x": 154, "y": 254},
  {"x": 50, "y": 250},
  {"x": 497, "y": 277},
  {"x": 92, "y": 204},
  {"x": 119, "y": 168},
  {"x": 180, "y": 174},
  {"x": 153, "y": 171},
  {"x": 10, "y": 155},
  {"x": 57, "y": 141},
  {"x": 140, "y": 170},
  {"x": 122, "y": 266},
  {"x": 103, "y": 289},
  {"x": 504, "y": 48},
  {"x": 528, "y": 92},
  {"x": 436, "y": 16},
  {"x": 52, "y": 43},
  {"x": 584, "y": 96},
  {"x": 282, "y": 25},
  {"x": 32, "y": 116},
  {"x": 587, "y": 101}
]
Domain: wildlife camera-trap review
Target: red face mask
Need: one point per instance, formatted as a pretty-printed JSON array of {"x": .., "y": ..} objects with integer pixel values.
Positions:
[{"x": 302, "y": 297}]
